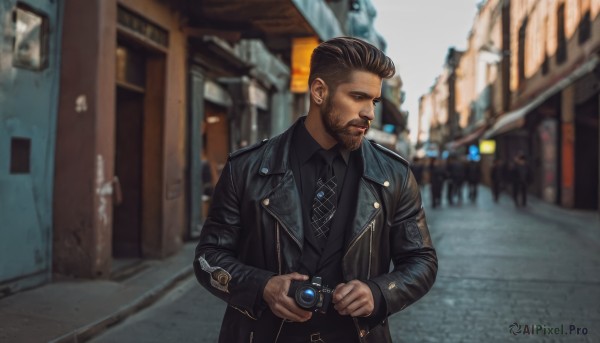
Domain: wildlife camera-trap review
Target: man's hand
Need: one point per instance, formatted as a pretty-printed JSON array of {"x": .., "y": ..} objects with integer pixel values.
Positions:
[
  {"x": 353, "y": 298},
  {"x": 275, "y": 295}
]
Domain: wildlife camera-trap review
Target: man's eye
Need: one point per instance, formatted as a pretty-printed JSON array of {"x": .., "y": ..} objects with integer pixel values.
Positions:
[{"x": 375, "y": 102}]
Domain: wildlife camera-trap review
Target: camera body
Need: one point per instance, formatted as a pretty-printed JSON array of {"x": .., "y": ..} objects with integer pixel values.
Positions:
[{"x": 311, "y": 295}]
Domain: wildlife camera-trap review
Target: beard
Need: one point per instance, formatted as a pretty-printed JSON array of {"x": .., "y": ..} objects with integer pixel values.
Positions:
[{"x": 342, "y": 133}]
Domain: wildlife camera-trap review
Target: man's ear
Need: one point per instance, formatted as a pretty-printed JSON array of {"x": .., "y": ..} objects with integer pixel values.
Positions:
[{"x": 318, "y": 90}]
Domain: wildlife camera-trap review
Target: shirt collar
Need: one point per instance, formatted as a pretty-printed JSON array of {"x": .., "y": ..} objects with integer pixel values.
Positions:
[{"x": 306, "y": 146}]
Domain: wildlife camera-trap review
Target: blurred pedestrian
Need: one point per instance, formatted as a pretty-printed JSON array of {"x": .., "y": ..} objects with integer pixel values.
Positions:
[
  {"x": 417, "y": 169},
  {"x": 507, "y": 175},
  {"x": 473, "y": 178},
  {"x": 294, "y": 239},
  {"x": 437, "y": 176},
  {"x": 521, "y": 177},
  {"x": 456, "y": 174},
  {"x": 497, "y": 176}
]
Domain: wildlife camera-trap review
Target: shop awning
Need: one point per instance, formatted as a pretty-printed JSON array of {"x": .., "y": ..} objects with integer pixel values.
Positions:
[
  {"x": 320, "y": 17},
  {"x": 212, "y": 53},
  {"x": 469, "y": 138},
  {"x": 266, "y": 18},
  {"x": 516, "y": 119}
]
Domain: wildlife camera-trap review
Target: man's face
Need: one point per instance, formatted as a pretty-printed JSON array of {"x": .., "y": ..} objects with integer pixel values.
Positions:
[{"x": 347, "y": 113}]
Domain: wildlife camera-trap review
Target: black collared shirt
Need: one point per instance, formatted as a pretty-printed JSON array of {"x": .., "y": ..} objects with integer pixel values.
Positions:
[{"x": 305, "y": 152}]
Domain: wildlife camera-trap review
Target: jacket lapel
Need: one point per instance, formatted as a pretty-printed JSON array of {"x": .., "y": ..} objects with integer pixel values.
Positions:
[
  {"x": 368, "y": 203},
  {"x": 283, "y": 200},
  {"x": 283, "y": 203}
]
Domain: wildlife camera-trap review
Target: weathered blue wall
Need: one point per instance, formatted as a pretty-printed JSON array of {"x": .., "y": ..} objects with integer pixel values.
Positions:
[{"x": 28, "y": 109}]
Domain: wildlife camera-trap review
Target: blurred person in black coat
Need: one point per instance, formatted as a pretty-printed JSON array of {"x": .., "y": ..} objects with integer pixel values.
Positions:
[
  {"x": 521, "y": 177},
  {"x": 456, "y": 174},
  {"x": 417, "y": 168},
  {"x": 438, "y": 175},
  {"x": 497, "y": 176},
  {"x": 473, "y": 178}
]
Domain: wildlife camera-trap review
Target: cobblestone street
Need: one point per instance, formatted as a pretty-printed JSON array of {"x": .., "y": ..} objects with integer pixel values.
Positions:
[{"x": 498, "y": 265}]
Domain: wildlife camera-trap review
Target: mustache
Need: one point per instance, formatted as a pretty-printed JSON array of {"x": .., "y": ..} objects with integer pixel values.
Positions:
[{"x": 359, "y": 122}]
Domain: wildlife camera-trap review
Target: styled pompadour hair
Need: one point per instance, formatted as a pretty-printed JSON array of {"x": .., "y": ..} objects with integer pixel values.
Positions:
[{"x": 335, "y": 59}]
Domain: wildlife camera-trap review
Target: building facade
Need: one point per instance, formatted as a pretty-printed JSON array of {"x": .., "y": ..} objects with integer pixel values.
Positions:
[
  {"x": 529, "y": 80},
  {"x": 30, "y": 40},
  {"x": 137, "y": 105},
  {"x": 554, "y": 98}
]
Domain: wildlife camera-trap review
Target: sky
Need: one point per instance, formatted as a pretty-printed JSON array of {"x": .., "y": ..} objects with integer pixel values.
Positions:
[{"x": 418, "y": 35}]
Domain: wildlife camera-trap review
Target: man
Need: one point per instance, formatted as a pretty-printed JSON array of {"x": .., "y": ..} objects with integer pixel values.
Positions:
[
  {"x": 473, "y": 178},
  {"x": 497, "y": 176},
  {"x": 456, "y": 175},
  {"x": 521, "y": 178},
  {"x": 437, "y": 175},
  {"x": 263, "y": 234},
  {"x": 417, "y": 168}
]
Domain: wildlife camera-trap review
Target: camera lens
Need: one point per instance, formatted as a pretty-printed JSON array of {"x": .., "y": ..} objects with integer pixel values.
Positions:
[{"x": 306, "y": 297}]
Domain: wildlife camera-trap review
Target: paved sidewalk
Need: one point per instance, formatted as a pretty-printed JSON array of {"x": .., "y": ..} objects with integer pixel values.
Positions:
[{"x": 76, "y": 310}]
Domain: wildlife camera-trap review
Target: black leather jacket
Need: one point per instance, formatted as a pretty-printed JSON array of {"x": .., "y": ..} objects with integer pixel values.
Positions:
[{"x": 254, "y": 231}]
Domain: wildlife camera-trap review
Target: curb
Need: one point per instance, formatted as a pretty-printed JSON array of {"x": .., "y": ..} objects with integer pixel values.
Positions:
[{"x": 87, "y": 332}]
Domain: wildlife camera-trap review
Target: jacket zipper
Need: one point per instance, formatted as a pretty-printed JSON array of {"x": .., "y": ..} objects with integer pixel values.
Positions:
[
  {"x": 279, "y": 332},
  {"x": 251, "y": 336},
  {"x": 369, "y": 228},
  {"x": 279, "y": 267},
  {"x": 371, "y": 249},
  {"x": 278, "y": 247},
  {"x": 244, "y": 312},
  {"x": 365, "y": 230},
  {"x": 357, "y": 326}
]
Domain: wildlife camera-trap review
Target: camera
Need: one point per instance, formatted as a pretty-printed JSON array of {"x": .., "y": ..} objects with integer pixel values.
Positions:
[{"x": 311, "y": 295}]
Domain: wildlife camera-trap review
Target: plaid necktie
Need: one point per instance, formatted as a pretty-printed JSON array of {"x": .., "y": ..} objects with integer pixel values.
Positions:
[{"x": 325, "y": 199}]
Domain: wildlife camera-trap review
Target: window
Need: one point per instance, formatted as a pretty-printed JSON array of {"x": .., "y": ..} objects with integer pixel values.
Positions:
[
  {"x": 561, "y": 50},
  {"x": 20, "y": 155},
  {"x": 30, "y": 48},
  {"x": 521, "y": 51},
  {"x": 545, "y": 61},
  {"x": 585, "y": 27}
]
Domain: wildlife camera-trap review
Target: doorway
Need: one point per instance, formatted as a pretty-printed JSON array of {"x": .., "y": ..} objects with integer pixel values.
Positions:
[
  {"x": 127, "y": 216},
  {"x": 139, "y": 155}
]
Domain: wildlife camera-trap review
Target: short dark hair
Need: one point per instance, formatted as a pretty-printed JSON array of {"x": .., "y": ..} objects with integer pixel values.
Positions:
[{"x": 335, "y": 59}]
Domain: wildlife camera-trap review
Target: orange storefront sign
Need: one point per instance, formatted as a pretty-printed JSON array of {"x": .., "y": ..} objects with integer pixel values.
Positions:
[{"x": 302, "y": 49}]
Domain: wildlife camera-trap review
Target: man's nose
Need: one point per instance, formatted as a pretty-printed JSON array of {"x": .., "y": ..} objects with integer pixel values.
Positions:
[{"x": 368, "y": 113}]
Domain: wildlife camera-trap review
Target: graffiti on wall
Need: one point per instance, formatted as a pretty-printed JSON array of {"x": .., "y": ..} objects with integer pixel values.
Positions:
[{"x": 104, "y": 190}]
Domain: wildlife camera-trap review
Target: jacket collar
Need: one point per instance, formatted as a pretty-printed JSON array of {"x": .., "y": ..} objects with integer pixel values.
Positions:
[{"x": 276, "y": 157}]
